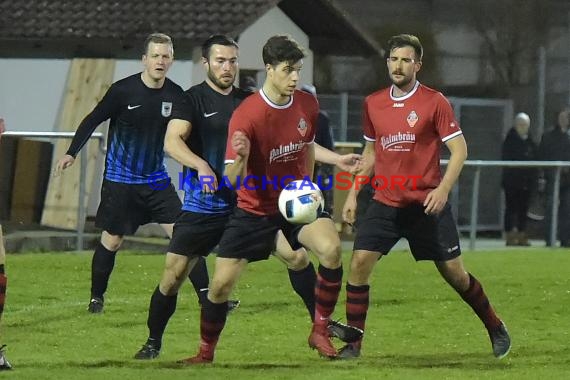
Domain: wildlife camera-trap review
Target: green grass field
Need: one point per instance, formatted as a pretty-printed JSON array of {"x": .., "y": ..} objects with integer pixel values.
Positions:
[{"x": 418, "y": 328}]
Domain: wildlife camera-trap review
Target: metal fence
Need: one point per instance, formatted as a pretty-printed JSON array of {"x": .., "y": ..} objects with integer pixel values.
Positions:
[
  {"x": 474, "y": 210},
  {"x": 475, "y": 194}
]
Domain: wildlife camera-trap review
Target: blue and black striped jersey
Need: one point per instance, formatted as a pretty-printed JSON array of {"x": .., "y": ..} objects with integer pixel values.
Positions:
[{"x": 139, "y": 116}]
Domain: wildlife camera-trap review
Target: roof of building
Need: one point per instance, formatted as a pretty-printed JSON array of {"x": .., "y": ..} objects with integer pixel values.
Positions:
[{"x": 116, "y": 28}]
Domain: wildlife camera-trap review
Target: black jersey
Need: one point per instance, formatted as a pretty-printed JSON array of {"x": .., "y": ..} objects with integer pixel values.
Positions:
[
  {"x": 211, "y": 113},
  {"x": 139, "y": 116}
]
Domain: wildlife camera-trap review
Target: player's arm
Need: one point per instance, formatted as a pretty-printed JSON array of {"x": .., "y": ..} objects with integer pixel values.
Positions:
[
  {"x": 347, "y": 162},
  {"x": 365, "y": 171},
  {"x": 177, "y": 132},
  {"x": 102, "y": 111},
  {"x": 240, "y": 144},
  {"x": 437, "y": 198}
]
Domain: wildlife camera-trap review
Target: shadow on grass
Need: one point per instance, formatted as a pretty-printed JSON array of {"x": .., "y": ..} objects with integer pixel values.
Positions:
[
  {"x": 453, "y": 360},
  {"x": 134, "y": 364}
]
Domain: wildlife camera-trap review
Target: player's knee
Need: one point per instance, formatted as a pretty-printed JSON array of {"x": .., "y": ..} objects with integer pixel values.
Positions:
[
  {"x": 329, "y": 252},
  {"x": 111, "y": 242},
  {"x": 299, "y": 260}
]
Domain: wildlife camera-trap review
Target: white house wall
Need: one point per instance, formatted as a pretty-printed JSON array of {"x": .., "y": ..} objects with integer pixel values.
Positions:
[{"x": 31, "y": 96}]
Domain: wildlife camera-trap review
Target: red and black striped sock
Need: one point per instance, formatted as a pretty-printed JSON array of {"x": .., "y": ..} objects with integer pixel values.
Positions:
[
  {"x": 357, "y": 301},
  {"x": 212, "y": 322},
  {"x": 477, "y": 299},
  {"x": 327, "y": 290}
]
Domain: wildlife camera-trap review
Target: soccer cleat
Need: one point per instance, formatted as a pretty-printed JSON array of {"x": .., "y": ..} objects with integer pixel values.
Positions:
[
  {"x": 4, "y": 363},
  {"x": 349, "y": 351},
  {"x": 201, "y": 358},
  {"x": 346, "y": 333},
  {"x": 500, "y": 340},
  {"x": 232, "y": 305},
  {"x": 321, "y": 342},
  {"x": 95, "y": 305},
  {"x": 147, "y": 352}
]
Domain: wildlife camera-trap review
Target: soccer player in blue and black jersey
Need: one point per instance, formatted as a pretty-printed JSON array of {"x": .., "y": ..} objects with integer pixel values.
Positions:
[
  {"x": 200, "y": 146},
  {"x": 139, "y": 108}
]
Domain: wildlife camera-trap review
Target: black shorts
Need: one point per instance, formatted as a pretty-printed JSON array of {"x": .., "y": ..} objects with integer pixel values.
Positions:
[
  {"x": 252, "y": 237},
  {"x": 124, "y": 207},
  {"x": 431, "y": 237},
  {"x": 197, "y": 233}
]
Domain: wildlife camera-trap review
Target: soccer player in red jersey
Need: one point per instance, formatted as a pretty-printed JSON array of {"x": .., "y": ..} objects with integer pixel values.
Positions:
[
  {"x": 270, "y": 139},
  {"x": 4, "y": 364},
  {"x": 404, "y": 127}
]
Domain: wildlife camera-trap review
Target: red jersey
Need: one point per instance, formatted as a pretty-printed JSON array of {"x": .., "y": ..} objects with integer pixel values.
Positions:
[
  {"x": 280, "y": 136},
  {"x": 408, "y": 132}
]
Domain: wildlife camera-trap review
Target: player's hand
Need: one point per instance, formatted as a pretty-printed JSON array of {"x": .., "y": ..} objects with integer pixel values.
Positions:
[
  {"x": 349, "y": 210},
  {"x": 208, "y": 179},
  {"x": 65, "y": 162},
  {"x": 351, "y": 163},
  {"x": 240, "y": 144},
  {"x": 435, "y": 201}
]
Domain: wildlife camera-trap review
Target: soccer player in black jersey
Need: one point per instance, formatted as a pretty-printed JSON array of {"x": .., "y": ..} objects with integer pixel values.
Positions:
[
  {"x": 200, "y": 146},
  {"x": 139, "y": 108}
]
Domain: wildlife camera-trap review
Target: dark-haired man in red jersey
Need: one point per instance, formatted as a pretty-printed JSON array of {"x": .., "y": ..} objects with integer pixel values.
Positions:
[{"x": 404, "y": 127}]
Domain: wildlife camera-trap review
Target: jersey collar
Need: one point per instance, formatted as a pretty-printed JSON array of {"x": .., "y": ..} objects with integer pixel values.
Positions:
[
  {"x": 271, "y": 104},
  {"x": 409, "y": 94}
]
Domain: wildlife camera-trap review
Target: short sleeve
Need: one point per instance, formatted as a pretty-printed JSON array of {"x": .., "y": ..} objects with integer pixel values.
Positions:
[
  {"x": 444, "y": 118},
  {"x": 367, "y": 126},
  {"x": 182, "y": 108}
]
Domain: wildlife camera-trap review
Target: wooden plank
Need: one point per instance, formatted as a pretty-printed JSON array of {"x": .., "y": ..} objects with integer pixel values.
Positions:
[
  {"x": 25, "y": 185},
  {"x": 87, "y": 82}
]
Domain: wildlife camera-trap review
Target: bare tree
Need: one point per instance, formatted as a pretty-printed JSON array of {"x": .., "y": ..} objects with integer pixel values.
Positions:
[{"x": 511, "y": 30}]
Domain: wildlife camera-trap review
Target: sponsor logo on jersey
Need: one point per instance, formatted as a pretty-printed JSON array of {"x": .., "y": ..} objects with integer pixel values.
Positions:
[
  {"x": 398, "y": 105},
  {"x": 206, "y": 115},
  {"x": 284, "y": 153},
  {"x": 412, "y": 119},
  {"x": 395, "y": 142},
  {"x": 302, "y": 127},
  {"x": 166, "y": 109},
  {"x": 452, "y": 124}
]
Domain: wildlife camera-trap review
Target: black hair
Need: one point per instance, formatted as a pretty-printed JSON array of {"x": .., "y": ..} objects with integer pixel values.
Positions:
[
  {"x": 282, "y": 48},
  {"x": 217, "y": 39},
  {"x": 402, "y": 40}
]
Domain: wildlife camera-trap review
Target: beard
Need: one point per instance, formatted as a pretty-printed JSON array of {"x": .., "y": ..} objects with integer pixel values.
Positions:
[
  {"x": 218, "y": 82},
  {"x": 403, "y": 82}
]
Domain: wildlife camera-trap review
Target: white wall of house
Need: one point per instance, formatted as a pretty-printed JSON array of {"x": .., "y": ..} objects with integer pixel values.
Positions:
[
  {"x": 32, "y": 90},
  {"x": 32, "y": 94}
]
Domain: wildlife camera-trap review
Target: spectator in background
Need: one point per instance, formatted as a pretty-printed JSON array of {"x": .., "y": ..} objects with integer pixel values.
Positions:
[
  {"x": 323, "y": 137},
  {"x": 518, "y": 183},
  {"x": 555, "y": 146}
]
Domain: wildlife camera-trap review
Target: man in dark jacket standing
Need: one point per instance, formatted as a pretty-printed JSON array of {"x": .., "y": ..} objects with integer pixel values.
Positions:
[
  {"x": 555, "y": 146},
  {"x": 518, "y": 183}
]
